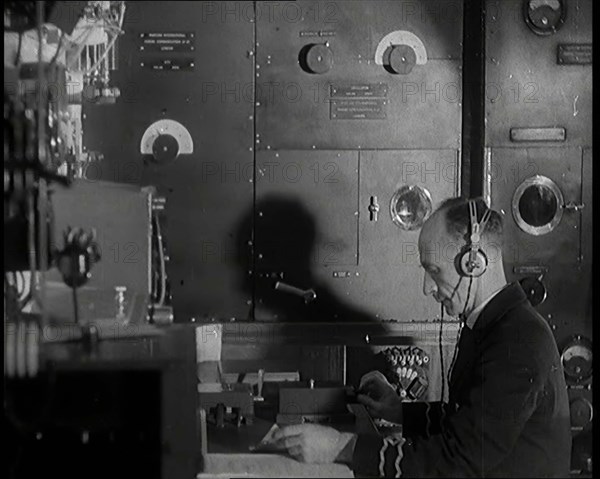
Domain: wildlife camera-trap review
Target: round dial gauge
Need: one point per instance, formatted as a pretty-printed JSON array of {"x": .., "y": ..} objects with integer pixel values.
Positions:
[
  {"x": 401, "y": 38},
  {"x": 577, "y": 360},
  {"x": 165, "y": 140},
  {"x": 582, "y": 413}
]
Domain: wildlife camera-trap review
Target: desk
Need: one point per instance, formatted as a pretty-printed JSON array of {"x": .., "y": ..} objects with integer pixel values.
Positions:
[
  {"x": 266, "y": 465},
  {"x": 227, "y": 455}
]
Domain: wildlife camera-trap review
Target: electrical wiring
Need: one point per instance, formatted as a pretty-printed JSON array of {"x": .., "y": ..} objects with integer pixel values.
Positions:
[
  {"x": 163, "y": 273},
  {"x": 102, "y": 57}
]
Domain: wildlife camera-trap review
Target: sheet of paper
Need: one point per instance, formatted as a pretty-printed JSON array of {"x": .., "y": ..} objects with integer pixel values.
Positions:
[{"x": 266, "y": 443}]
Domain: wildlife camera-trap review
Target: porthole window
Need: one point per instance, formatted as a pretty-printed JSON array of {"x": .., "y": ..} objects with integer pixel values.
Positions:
[
  {"x": 537, "y": 205},
  {"x": 410, "y": 207},
  {"x": 544, "y": 17}
]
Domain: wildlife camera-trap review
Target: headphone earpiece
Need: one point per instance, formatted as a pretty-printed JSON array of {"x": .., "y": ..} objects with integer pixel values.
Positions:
[{"x": 471, "y": 261}]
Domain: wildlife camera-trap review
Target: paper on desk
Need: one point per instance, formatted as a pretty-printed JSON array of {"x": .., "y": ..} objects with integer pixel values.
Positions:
[
  {"x": 266, "y": 444},
  {"x": 221, "y": 466}
]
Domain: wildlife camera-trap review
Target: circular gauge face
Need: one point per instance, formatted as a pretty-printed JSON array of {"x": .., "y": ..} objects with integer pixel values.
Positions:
[
  {"x": 544, "y": 17},
  {"x": 534, "y": 289},
  {"x": 582, "y": 413},
  {"x": 577, "y": 360},
  {"x": 537, "y": 205},
  {"x": 165, "y": 140},
  {"x": 400, "y": 38},
  {"x": 410, "y": 207}
]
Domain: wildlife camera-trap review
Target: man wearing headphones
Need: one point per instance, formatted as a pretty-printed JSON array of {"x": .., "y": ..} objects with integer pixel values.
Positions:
[{"x": 507, "y": 413}]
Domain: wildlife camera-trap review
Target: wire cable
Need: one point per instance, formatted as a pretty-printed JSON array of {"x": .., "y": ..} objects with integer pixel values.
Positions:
[
  {"x": 460, "y": 327},
  {"x": 441, "y": 351},
  {"x": 163, "y": 272}
]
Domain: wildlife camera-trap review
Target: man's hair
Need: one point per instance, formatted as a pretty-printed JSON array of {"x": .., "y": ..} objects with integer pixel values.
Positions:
[{"x": 457, "y": 219}]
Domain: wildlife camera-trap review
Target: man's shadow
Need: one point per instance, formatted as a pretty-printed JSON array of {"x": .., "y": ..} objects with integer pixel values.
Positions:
[{"x": 276, "y": 242}]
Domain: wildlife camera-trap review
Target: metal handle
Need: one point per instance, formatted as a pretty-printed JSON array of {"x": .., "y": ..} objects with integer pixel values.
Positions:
[
  {"x": 571, "y": 205},
  {"x": 373, "y": 208},
  {"x": 308, "y": 295}
]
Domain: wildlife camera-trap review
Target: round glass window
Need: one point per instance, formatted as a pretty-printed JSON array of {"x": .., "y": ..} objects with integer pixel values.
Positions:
[
  {"x": 537, "y": 205},
  {"x": 410, "y": 207}
]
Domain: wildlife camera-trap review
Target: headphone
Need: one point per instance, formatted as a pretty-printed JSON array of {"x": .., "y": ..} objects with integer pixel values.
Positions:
[{"x": 471, "y": 261}]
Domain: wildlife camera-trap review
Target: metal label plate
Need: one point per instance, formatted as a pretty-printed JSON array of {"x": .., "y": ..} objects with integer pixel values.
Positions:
[
  {"x": 169, "y": 64},
  {"x": 317, "y": 33},
  {"x": 167, "y": 42},
  {"x": 358, "y": 109},
  {"x": 575, "y": 54},
  {"x": 535, "y": 270},
  {"x": 342, "y": 274},
  {"x": 360, "y": 90},
  {"x": 537, "y": 134}
]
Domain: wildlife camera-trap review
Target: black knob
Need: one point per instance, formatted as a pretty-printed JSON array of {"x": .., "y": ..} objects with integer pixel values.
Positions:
[
  {"x": 76, "y": 259},
  {"x": 316, "y": 58},
  {"x": 534, "y": 289},
  {"x": 402, "y": 59},
  {"x": 165, "y": 148}
]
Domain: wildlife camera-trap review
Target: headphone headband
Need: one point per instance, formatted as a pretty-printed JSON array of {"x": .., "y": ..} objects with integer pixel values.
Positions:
[
  {"x": 477, "y": 228},
  {"x": 472, "y": 261}
]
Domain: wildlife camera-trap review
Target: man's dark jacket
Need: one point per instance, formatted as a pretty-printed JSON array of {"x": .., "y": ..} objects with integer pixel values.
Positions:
[{"x": 508, "y": 410}]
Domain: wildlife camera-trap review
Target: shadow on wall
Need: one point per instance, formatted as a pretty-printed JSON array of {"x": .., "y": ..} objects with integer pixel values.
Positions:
[{"x": 275, "y": 240}]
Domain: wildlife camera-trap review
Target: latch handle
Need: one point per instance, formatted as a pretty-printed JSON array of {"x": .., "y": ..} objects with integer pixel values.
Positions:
[
  {"x": 309, "y": 295},
  {"x": 373, "y": 208}
]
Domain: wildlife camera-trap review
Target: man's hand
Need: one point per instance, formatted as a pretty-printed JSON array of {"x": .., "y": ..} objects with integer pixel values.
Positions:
[
  {"x": 380, "y": 397},
  {"x": 312, "y": 443}
]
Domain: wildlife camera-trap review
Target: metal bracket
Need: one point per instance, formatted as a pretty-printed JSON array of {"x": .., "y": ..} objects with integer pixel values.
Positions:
[{"x": 572, "y": 206}]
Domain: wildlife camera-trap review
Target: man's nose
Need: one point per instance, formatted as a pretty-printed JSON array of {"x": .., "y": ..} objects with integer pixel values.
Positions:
[{"x": 429, "y": 286}]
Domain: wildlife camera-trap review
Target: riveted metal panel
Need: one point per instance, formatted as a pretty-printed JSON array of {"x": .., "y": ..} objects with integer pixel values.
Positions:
[
  {"x": 568, "y": 306},
  {"x": 526, "y": 86},
  {"x": 305, "y": 221},
  {"x": 388, "y": 255},
  {"x": 208, "y": 190},
  {"x": 539, "y": 122},
  {"x": 587, "y": 197},
  {"x": 301, "y": 110},
  {"x": 560, "y": 257},
  {"x": 510, "y": 167},
  {"x": 323, "y": 182}
]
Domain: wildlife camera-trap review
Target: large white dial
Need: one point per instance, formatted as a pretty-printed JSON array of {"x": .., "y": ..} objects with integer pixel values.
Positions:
[
  {"x": 166, "y": 139},
  {"x": 401, "y": 37}
]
